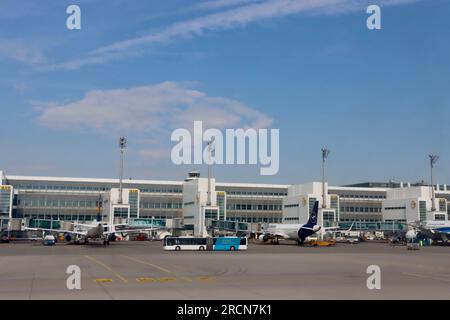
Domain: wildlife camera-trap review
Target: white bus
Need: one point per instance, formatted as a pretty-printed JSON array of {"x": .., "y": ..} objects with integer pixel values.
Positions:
[{"x": 202, "y": 244}]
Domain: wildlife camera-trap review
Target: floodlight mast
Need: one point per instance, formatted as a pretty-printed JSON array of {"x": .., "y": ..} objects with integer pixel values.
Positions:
[
  {"x": 325, "y": 154},
  {"x": 122, "y": 146},
  {"x": 433, "y": 159},
  {"x": 208, "y": 203},
  {"x": 99, "y": 207}
]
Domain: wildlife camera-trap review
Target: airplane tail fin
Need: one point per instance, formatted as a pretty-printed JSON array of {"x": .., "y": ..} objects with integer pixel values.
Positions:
[
  {"x": 311, "y": 227},
  {"x": 313, "y": 216}
]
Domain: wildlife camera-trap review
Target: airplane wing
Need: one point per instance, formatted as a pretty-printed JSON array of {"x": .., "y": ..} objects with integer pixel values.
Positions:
[
  {"x": 116, "y": 225},
  {"x": 275, "y": 235},
  {"x": 96, "y": 224},
  {"x": 56, "y": 230},
  {"x": 337, "y": 229},
  {"x": 281, "y": 235},
  {"x": 83, "y": 225},
  {"x": 429, "y": 232},
  {"x": 433, "y": 233},
  {"x": 130, "y": 230},
  {"x": 332, "y": 229},
  {"x": 307, "y": 228}
]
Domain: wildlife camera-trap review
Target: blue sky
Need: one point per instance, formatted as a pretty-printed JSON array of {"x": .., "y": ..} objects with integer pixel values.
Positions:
[{"x": 380, "y": 100}]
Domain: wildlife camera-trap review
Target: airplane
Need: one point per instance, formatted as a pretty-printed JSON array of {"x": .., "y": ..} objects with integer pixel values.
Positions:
[
  {"x": 435, "y": 230},
  {"x": 297, "y": 232},
  {"x": 95, "y": 231}
]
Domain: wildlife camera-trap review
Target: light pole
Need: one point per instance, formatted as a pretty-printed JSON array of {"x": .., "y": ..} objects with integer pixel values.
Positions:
[
  {"x": 99, "y": 207},
  {"x": 122, "y": 146},
  {"x": 208, "y": 203},
  {"x": 325, "y": 154},
  {"x": 433, "y": 159}
]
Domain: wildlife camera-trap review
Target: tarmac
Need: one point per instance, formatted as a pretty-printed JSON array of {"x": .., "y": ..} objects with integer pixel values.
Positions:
[{"x": 142, "y": 270}]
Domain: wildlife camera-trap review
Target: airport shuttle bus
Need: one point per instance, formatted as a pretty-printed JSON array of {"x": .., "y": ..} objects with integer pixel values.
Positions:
[{"x": 203, "y": 244}]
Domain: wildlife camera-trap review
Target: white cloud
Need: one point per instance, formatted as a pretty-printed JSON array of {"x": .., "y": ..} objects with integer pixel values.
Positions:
[
  {"x": 150, "y": 111},
  {"x": 21, "y": 52},
  {"x": 147, "y": 115},
  {"x": 241, "y": 13},
  {"x": 227, "y": 19},
  {"x": 219, "y": 4}
]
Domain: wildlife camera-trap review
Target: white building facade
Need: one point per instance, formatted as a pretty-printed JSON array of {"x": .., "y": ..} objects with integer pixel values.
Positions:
[
  {"x": 298, "y": 204},
  {"x": 199, "y": 204},
  {"x": 84, "y": 199},
  {"x": 414, "y": 204}
]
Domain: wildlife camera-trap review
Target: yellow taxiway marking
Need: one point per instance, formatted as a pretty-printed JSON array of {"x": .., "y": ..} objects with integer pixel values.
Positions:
[
  {"x": 157, "y": 267},
  {"x": 103, "y": 280},
  {"x": 167, "y": 279},
  {"x": 206, "y": 278},
  {"x": 118, "y": 275},
  {"x": 149, "y": 264},
  {"x": 145, "y": 280}
]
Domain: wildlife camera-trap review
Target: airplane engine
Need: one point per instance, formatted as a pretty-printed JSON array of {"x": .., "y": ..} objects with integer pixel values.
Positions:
[
  {"x": 263, "y": 238},
  {"x": 68, "y": 237},
  {"x": 317, "y": 228},
  {"x": 112, "y": 237}
]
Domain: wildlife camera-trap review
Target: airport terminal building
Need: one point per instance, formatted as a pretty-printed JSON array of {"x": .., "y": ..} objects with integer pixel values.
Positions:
[{"x": 86, "y": 199}]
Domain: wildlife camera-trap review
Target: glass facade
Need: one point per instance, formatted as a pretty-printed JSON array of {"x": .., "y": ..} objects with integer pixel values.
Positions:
[
  {"x": 359, "y": 209},
  {"x": 160, "y": 204},
  {"x": 37, "y": 202},
  {"x": 374, "y": 226},
  {"x": 442, "y": 205},
  {"x": 77, "y": 200},
  {"x": 334, "y": 201},
  {"x": 212, "y": 214},
  {"x": 254, "y": 207},
  {"x": 121, "y": 212},
  {"x": 5, "y": 200},
  {"x": 328, "y": 218},
  {"x": 423, "y": 210},
  {"x": 222, "y": 204},
  {"x": 229, "y": 225},
  {"x": 148, "y": 223},
  {"x": 45, "y": 224},
  {"x": 312, "y": 202},
  {"x": 133, "y": 199}
]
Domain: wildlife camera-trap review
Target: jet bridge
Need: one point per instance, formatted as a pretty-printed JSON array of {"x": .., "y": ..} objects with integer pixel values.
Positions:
[
  {"x": 374, "y": 226},
  {"x": 234, "y": 226},
  {"x": 148, "y": 223}
]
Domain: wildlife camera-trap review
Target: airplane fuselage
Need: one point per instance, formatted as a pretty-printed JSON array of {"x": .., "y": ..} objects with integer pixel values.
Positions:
[
  {"x": 442, "y": 226},
  {"x": 298, "y": 232},
  {"x": 289, "y": 230},
  {"x": 95, "y": 232}
]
